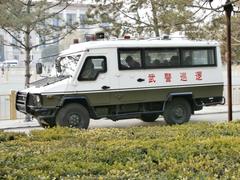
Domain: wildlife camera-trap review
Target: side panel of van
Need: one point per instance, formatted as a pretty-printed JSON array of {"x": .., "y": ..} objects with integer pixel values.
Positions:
[{"x": 150, "y": 95}]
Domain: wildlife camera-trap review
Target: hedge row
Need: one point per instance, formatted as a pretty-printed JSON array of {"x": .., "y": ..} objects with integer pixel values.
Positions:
[{"x": 192, "y": 151}]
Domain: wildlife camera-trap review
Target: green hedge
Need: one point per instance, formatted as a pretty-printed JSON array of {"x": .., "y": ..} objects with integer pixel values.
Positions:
[{"x": 191, "y": 151}]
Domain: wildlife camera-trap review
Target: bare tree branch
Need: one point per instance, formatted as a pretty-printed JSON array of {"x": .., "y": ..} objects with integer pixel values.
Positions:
[
  {"x": 235, "y": 39},
  {"x": 217, "y": 9},
  {"x": 14, "y": 37},
  {"x": 13, "y": 45}
]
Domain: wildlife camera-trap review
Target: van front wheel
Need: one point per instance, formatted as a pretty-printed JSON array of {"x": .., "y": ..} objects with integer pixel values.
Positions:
[
  {"x": 177, "y": 111},
  {"x": 73, "y": 115}
]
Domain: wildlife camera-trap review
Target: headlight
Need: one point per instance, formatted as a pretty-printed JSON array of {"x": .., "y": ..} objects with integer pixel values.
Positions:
[
  {"x": 34, "y": 100},
  {"x": 38, "y": 100}
]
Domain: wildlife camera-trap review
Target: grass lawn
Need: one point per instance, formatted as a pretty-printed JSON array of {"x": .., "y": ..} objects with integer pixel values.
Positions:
[{"x": 190, "y": 151}]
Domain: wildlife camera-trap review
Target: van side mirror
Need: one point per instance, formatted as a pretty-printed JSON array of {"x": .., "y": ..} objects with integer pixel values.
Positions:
[
  {"x": 39, "y": 68},
  {"x": 58, "y": 66}
]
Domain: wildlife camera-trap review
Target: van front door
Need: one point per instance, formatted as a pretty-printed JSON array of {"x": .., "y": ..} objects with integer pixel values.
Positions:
[{"x": 93, "y": 82}]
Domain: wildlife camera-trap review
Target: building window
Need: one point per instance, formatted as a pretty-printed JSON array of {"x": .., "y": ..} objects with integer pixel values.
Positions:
[
  {"x": 56, "y": 22},
  {"x": 42, "y": 41},
  {"x": 71, "y": 18},
  {"x": 16, "y": 57},
  {"x": 82, "y": 18}
]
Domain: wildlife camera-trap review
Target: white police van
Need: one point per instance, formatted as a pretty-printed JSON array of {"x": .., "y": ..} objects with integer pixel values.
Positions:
[{"x": 127, "y": 79}]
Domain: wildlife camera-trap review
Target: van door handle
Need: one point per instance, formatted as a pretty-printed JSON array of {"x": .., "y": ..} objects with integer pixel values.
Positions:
[
  {"x": 140, "y": 80},
  {"x": 105, "y": 87}
]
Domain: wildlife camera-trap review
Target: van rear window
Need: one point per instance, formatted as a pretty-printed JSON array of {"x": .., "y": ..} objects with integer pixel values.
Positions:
[{"x": 196, "y": 57}]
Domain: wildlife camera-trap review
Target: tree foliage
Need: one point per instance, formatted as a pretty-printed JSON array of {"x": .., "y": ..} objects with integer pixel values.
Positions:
[
  {"x": 215, "y": 29},
  {"x": 145, "y": 17}
]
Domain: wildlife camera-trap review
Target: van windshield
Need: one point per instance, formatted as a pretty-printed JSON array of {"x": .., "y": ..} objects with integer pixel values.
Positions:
[{"x": 66, "y": 64}]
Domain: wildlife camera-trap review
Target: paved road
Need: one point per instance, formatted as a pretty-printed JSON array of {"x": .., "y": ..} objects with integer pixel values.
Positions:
[{"x": 212, "y": 118}]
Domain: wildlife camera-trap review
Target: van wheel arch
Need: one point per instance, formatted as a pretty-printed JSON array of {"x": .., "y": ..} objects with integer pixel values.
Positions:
[
  {"x": 187, "y": 96},
  {"x": 78, "y": 100}
]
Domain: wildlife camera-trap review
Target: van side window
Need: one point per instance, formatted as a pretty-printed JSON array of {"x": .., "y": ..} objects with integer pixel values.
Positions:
[
  {"x": 93, "y": 66},
  {"x": 155, "y": 58},
  {"x": 129, "y": 59},
  {"x": 198, "y": 57}
]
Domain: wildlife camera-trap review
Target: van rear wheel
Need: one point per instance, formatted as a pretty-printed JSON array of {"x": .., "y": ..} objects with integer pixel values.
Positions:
[
  {"x": 149, "y": 117},
  {"x": 73, "y": 115},
  {"x": 177, "y": 111}
]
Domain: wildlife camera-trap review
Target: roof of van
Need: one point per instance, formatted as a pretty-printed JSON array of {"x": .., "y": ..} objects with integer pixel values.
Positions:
[{"x": 137, "y": 44}]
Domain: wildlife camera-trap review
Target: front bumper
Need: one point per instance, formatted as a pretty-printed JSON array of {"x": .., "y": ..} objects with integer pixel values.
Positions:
[{"x": 26, "y": 104}]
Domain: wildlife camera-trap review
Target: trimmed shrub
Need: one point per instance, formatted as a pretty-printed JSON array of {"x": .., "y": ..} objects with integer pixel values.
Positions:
[{"x": 191, "y": 151}]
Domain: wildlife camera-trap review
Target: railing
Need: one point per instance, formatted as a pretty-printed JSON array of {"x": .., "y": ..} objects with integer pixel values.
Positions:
[
  {"x": 4, "y": 106},
  {"x": 235, "y": 94},
  {"x": 7, "y": 107},
  {"x": 12, "y": 78}
]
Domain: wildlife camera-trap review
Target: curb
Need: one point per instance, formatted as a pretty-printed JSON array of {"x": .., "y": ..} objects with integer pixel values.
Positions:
[
  {"x": 17, "y": 124},
  {"x": 216, "y": 112},
  {"x": 20, "y": 127}
]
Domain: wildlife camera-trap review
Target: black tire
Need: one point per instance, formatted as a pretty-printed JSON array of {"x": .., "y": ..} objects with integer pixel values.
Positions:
[
  {"x": 73, "y": 115},
  {"x": 177, "y": 111},
  {"x": 149, "y": 117},
  {"x": 46, "y": 123}
]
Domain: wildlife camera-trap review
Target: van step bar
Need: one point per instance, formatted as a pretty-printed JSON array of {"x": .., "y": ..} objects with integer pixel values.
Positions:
[{"x": 132, "y": 115}]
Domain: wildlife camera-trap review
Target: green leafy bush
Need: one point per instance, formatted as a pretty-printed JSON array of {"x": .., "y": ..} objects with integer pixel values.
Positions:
[{"x": 191, "y": 151}]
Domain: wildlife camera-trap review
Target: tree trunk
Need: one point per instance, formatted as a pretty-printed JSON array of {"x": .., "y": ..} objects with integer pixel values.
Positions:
[
  {"x": 27, "y": 49},
  {"x": 27, "y": 64},
  {"x": 155, "y": 20},
  {"x": 27, "y": 68}
]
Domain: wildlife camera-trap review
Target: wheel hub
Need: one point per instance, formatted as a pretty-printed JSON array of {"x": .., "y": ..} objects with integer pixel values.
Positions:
[
  {"x": 74, "y": 120},
  {"x": 179, "y": 112}
]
